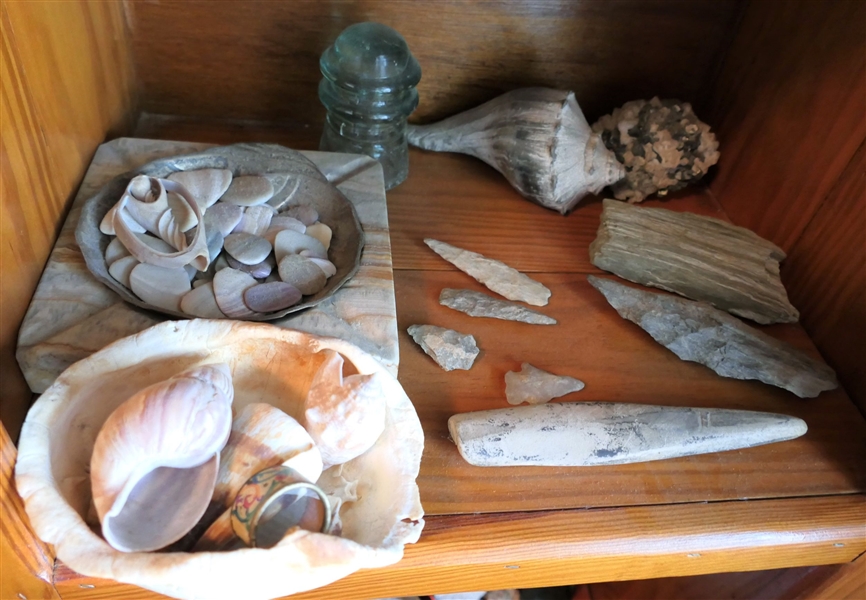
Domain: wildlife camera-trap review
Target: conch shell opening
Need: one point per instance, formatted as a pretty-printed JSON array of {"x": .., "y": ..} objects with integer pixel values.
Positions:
[{"x": 155, "y": 460}]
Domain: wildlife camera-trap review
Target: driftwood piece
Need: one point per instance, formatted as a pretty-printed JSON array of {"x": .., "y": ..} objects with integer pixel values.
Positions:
[
  {"x": 698, "y": 257},
  {"x": 584, "y": 434},
  {"x": 697, "y": 332}
]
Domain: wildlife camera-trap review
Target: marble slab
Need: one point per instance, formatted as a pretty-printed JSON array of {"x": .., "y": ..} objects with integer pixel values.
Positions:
[{"x": 73, "y": 315}]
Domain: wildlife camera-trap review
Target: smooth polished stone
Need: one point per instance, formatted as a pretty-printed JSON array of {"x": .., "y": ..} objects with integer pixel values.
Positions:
[
  {"x": 291, "y": 242},
  {"x": 302, "y": 273},
  {"x": 255, "y": 220},
  {"x": 247, "y": 248},
  {"x": 258, "y": 270},
  {"x": 248, "y": 190},
  {"x": 303, "y": 213},
  {"x": 115, "y": 250},
  {"x": 271, "y": 297},
  {"x": 321, "y": 232},
  {"x": 223, "y": 217},
  {"x": 229, "y": 286},
  {"x": 122, "y": 267},
  {"x": 201, "y": 302},
  {"x": 160, "y": 286},
  {"x": 205, "y": 185}
]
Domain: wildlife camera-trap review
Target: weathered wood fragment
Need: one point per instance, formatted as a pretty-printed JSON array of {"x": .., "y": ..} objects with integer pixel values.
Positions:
[
  {"x": 584, "y": 434},
  {"x": 698, "y": 257},
  {"x": 698, "y": 332}
]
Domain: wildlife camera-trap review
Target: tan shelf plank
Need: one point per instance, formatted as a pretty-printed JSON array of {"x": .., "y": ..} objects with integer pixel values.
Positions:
[{"x": 566, "y": 547}]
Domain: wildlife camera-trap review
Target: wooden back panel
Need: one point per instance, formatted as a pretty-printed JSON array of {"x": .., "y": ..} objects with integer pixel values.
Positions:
[
  {"x": 790, "y": 109},
  {"x": 67, "y": 83},
  {"x": 259, "y": 60}
]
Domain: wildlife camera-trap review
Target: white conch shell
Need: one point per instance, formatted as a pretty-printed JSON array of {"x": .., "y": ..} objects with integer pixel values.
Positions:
[
  {"x": 155, "y": 459},
  {"x": 146, "y": 208},
  {"x": 106, "y": 226},
  {"x": 195, "y": 253},
  {"x": 537, "y": 137},
  {"x": 343, "y": 416}
]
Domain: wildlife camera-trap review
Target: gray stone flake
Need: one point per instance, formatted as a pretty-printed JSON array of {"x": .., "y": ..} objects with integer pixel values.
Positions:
[
  {"x": 477, "y": 304},
  {"x": 450, "y": 349},
  {"x": 695, "y": 331},
  {"x": 534, "y": 386}
]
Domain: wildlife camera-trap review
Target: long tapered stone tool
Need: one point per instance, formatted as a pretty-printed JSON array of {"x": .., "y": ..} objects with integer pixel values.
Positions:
[{"x": 584, "y": 434}]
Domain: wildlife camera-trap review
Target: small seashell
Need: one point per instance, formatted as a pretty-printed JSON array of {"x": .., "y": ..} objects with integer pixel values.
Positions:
[
  {"x": 151, "y": 479},
  {"x": 159, "y": 286},
  {"x": 327, "y": 266},
  {"x": 344, "y": 417},
  {"x": 201, "y": 302},
  {"x": 205, "y": 185},
  {"x": 321, "y": 232},
  {"x": 247, "y": 248},
  {"x": 223, "y": 217},
  {"x": 121, "y": 269},
  {"x": 302, "y": 273},
  {"x": 271, "y": 297},
  {"x": 304, "y": 213},
  {"x": 537, "y": 138},
  {"x": 229, "y": 286},
  {"x": 115, "y": 250},
  {"x": 107, "y": 226},
  {"x": 195, "y": 253},
  {"x": 258, "y": 270},
  {"x": 248, "y": 190},
  {"x": 255, "y": 220},
  {"x": 289, "y": 241}
]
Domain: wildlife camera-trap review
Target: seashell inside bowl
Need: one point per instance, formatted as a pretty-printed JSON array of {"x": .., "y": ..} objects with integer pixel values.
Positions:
[
  {"x": 268, "y": 364},
  {"x": 151, "y": 479},
  {"x": 301, "y": 186}
]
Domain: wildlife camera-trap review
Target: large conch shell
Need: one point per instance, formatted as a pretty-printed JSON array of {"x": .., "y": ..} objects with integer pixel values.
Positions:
[
  {"x": 147, "y": 201},
  {"x": 155, "y": 459},
  {"x": 343, "y": 415},
  {"x": 195, "y": 254},
  {"x": 537, "y": 137},
  {"x": 268, "y": 364}
]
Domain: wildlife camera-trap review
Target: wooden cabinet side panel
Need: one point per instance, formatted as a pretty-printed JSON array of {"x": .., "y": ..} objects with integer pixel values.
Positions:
[
  {"x": 826, "y": 278},
  {"x": 26, "y": 564},
  {"x": 789, "y": 109},
  {"x": 67, "y": 82}
]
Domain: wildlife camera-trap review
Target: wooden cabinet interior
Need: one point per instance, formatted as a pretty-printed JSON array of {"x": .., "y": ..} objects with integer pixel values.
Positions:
[{"x": 783, "y": 83}]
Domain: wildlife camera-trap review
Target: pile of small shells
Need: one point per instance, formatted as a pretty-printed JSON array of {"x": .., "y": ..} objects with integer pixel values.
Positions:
[{"x": 210, "y": 245}]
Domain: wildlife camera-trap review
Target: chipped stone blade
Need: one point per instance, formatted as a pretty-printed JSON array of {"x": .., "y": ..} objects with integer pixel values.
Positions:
[{"x": 599, "y": 433}]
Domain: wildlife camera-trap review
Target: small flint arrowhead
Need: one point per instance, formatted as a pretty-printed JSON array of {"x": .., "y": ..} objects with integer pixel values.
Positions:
[{"x": 598, "y": 433}]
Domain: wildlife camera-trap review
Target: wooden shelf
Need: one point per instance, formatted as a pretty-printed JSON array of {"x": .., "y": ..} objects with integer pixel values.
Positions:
[{"x": 524, "y": 527}]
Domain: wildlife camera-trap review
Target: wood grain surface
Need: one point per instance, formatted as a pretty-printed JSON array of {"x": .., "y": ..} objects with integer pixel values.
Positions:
[
  {"x": 259, "y": 60},
  {"x": 826, "y": 272},
  {"x": 67, "y": 82},
  {"x": 481, "y": 552},
  {"x": 789, "y": 109},
  {"x": 26, "y": 564},
  {"x": 831, "y": 582}
]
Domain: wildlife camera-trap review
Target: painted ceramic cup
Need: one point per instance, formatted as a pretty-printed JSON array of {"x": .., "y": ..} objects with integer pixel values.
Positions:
[{"x": 274, "y": 501}]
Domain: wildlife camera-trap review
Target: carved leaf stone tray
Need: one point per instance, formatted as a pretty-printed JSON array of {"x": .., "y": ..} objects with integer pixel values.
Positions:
[{"x": 297, "y": 182}]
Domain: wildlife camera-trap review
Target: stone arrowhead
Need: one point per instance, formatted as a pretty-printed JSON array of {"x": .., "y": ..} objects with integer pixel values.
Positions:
[
  {"x": 698, "y": 332},
  {"x": 450, "y": 349},
  {"x": 497, "y": 276},
  {"x": 476, "y": 304},
  {"x": 534, "y": 386}
]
